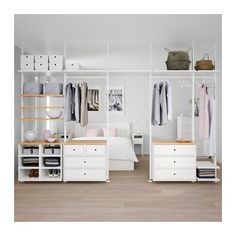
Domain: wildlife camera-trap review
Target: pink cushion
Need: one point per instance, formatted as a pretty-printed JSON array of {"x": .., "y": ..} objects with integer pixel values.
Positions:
[
  {"x": 92, "y": 132},
  {"x": 112, "y": 132}
]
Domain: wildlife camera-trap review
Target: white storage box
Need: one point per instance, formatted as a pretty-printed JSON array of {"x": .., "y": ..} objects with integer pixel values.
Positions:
[
  {"x": 53, "y": 88},
  {"x": 33, "y": 88},
  {"x": 55, "y": 66},
  {"x": 56, "y": 151},
  {"x": 58, "y": 59},
  {"x": 41, "y": 66},
  {"x": 27, "y": 59},
  {"x": 41, "y": 58},
  {"x": 35, "y": 151},
  {"x": 72, "y": 66},
  {"x": 27, "y": 66},
  {"x": 26, "y": 151},
  {"x": 48, "y": 151}
]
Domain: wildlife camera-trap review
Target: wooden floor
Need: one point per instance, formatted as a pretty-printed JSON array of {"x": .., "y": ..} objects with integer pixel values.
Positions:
[{"x": 128, "y": 197}]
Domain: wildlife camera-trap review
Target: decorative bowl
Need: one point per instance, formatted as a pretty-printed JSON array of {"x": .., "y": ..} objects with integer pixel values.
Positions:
[
  {"x": 30, "y": 135},
  {"x": 54, "y": 113},
  {"x": 51, "y": 140}
]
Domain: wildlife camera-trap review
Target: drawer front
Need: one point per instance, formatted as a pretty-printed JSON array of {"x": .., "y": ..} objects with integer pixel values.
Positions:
[
  {"x": 84, "y": 162},
  {"x": 73, "y": 150},
  {"x": 174, "y": 149},
  {"x": 175, "y": 175},
  {"x": 95, "y": 149},
  {"x": 84, "y": 175},
  {"x": 171, "y": 163}
]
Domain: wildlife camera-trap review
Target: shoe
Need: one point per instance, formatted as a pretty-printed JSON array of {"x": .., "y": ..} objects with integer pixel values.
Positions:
[
  {"x": 31, "y": 173},
  {"x": 55, "y": 173},
  {"x": 36, "y": 173},
  {"x": 50, "y": 173}
]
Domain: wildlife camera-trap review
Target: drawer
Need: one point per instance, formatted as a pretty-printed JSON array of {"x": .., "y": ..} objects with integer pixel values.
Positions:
[
  {"x": 73, "y": 150},
  {"x": 95, "y": 149},
  {"x": 175, "y": 175},
  {"x": 170, "y": 163},
  {"x": 85, "y": 162},
  {"x": 174, "y": 149},
  {"x": 138, "y": 141},
  {"x": 84, "y": 175}
]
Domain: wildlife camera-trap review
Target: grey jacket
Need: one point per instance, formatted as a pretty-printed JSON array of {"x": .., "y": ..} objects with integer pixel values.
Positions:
[
  {"x": 69, "y": 109},
  {"x": 156, "y": 105}
]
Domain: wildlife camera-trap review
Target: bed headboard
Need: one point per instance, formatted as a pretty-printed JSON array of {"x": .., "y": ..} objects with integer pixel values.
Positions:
[{"x": 123, "y": 128}]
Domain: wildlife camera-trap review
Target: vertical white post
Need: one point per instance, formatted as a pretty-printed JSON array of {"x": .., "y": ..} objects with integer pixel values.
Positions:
[
  {"x": 36, "y": 109},
  {"x": 22, "y": 99},
  {"x": 107, "y": 106},
  {"x": 215, "y": 94},
  {"x": 64, "y": 92},
  {"x": 150, "y": 111},
  {"x": 193, "y": 96}
]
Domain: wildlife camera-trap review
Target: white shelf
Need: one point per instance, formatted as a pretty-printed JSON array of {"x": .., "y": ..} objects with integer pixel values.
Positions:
[
  {"x": 39, "y": 71},
  {"x": 84, "y": 71},
  {"x": 206, "y": 165},
  {"x": 51, "y": 155},
  {"x": 22, "y": 155},
  {"x": 28, "y": 168},
  {"x": 49, "y": 168},
  {"x": 208, "y": 179}
]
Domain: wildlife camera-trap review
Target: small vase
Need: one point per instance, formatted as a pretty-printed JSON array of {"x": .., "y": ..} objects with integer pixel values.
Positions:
[{"x": 47, "y": 135}]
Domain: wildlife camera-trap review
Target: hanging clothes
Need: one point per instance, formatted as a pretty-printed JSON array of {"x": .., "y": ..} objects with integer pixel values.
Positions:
[
  {"x": 77, "y": 100},
  {"x": 161, "y": 104},
  {"x": 169, "y": 101},
  {"x": 156, "y": 105},
  {"x": 69, "y": 109},
  {"x": 204, "y": 112},
  {"x": 84, "y": 104},
  {"x": 209, "y": 145}
]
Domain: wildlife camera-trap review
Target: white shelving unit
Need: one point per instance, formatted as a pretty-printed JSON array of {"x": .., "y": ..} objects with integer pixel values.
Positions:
[
  {"x": 23, "y": 171},
  {"x": 106, "y": 73}
]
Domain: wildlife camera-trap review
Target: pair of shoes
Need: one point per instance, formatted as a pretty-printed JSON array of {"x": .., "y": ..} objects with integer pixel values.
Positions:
[
  {"x": 33, "y": 173},
  {"x": 53, "y": 173}
]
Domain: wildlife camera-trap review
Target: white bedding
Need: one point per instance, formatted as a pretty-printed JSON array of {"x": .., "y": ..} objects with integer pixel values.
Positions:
[{"x": 120, "y": 148}]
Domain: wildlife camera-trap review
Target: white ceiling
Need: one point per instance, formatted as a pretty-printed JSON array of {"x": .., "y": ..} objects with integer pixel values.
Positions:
[{"x": 50, "y": 31}]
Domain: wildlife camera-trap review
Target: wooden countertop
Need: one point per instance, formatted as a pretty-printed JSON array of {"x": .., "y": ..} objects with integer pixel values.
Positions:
[
  {"x": 37, "y": 142},
  {"x": 89, "y": 142},
  {"x": 172, "y": 142}
]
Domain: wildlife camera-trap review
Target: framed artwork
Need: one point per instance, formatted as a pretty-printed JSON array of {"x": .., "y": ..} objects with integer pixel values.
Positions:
[
  {"x": 93, "y": 99},
  {"x": 116, "y": 99}
]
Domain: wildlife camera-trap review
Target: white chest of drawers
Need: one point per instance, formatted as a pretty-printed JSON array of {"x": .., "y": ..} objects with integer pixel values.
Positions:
[
  {"x": 173, "y": 162},
  {"x": 85, "y": 161}
]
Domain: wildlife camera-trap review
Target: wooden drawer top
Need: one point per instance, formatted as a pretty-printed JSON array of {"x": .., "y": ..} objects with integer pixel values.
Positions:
[
  {"x": 43, "y": 142},
  {"x": 171, "y": 142},
  {"x": 88, "y": 142}
]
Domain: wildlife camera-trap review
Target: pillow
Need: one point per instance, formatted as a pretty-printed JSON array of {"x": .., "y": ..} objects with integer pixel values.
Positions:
[
  {"x": 92, "y": 132},
  {"x": 112, "y": 132}
]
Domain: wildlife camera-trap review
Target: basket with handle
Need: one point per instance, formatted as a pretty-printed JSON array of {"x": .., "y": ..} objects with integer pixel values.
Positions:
[{"x": 204, "y": 64}]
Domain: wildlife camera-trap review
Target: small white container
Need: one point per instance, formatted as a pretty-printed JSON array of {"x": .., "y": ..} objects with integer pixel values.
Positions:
[
  {"x": 53, "y": 66},
  {"x": 41, "y": 58},
  {"x": 58, "y": 59},
  {"x": 41, "y": 66},
  {"x": 72, "y": 66},
  {"x": 27, "y": 58},
  {"x": 27, "y": 66}
]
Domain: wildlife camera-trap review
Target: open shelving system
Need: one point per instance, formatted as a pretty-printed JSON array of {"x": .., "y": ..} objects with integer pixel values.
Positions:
[{"x": 106, "y": 73}]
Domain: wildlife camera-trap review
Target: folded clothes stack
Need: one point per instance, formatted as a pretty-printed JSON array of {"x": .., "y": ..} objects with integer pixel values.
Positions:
[
  {"x": 206, "y": 173},
  {"x": 52, "y": 161},
  {"x": 30, "y": 161}
]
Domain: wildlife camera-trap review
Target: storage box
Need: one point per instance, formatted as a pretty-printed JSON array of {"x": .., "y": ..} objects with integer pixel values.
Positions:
[
  {"x": 41, "y": 66},
  {"x": 41, "y": 58},
  {"x": 56, "y": 150},
  {"x": 58, "y": 59},
  {"x": 33, "y": 88},
  {"x": 55, "y": 66},
  {"x": 48, "y": 151},
  {"x": 35, "y": 150},
  {"x": 27, "y": 66},
  {"x": 26, "y": 151},
  {"x": 53, "y": 88},
  {"x": 27, "y": 59},
  {"x": 72, "y": 66}
]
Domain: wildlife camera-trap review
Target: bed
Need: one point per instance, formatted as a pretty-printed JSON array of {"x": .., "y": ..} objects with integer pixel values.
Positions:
[{"x": 120, "y": 148}]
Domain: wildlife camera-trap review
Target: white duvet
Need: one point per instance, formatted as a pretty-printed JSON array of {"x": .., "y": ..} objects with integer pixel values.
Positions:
[{"x": 120, "y": 148}]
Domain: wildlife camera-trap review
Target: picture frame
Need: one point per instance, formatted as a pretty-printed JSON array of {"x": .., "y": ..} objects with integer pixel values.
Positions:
[
  {"x": 94, "y": 99},
  {"x": 116, "y": 100}
]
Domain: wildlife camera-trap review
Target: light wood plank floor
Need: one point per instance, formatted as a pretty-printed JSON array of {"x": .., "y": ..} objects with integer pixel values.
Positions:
[{"x": 128, "y": 197}]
